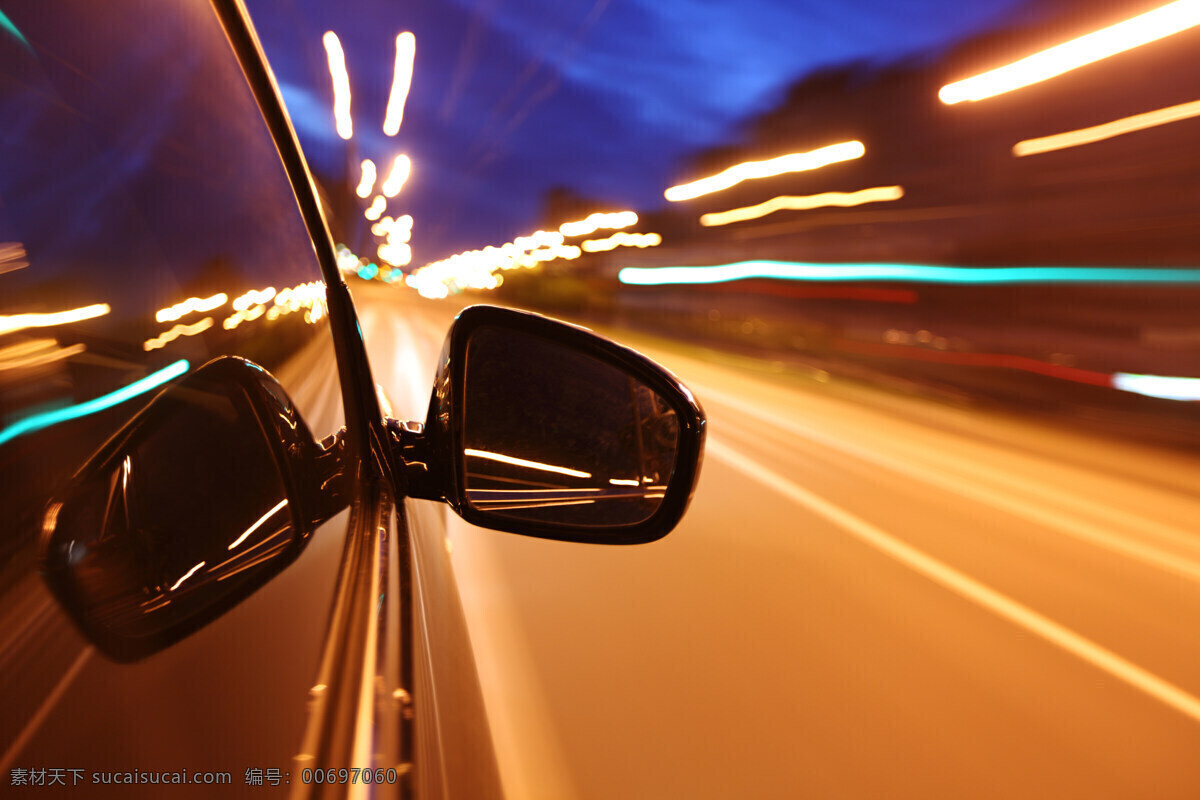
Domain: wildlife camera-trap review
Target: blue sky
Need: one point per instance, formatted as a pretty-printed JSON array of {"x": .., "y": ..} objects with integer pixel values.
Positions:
[{"x": 608, "y": 97}]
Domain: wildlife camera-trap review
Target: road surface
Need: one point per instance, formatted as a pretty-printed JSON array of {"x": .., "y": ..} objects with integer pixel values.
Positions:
[{"x": 872, "y": 595}]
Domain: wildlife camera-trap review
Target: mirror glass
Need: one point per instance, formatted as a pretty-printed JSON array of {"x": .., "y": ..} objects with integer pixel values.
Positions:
[
  {"x": 189, "y": 511},
  {"x": 554, "y": 436}
]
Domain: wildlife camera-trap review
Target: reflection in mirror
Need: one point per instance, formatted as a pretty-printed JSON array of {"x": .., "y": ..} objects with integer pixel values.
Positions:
[
  {"x": 161, "y": 532},
  {"x": 554, "y": 436}
]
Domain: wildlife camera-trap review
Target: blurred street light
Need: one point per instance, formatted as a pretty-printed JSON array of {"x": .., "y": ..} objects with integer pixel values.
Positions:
[
  {"x": 793, "y": 162},
  {"x": 17, "y": 322},
  {"x": 876, "y": 194},
  {"x": 401, "y": 169},
  {"x": 1117, "y": 127},
  {"x": 1143, "y": 29},
  {"x": 406, "y": 51},
  {"x": 341, "y": 84},
  {"x": 367, "y": 183}
]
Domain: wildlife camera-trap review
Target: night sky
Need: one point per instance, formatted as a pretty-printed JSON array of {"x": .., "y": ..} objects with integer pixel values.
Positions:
[{"x": 512, "y": 97}]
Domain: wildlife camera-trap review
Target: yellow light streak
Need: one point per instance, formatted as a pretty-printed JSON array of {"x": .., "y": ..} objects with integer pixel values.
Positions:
[
  {"x": 367, "y": 182},
  {"x": 376, "y": 208},
  {"x": 165, "y": 338},
  {"x": 401, "y": 169},
  {"x": 1108, "y": 130},
  {"x": 41, "y": 357},
  {"x": 19, "y": 322},
  {"x": 521, "y": 462},
  {"x": 877, "y": 194},
  {"x": 190, "y": 306},
  {"x": 402, "y": 73},
  {"x": 257, "y": 525},
  {"x": 621, "y": 482},
  {"x": 187, "y": 575},
  {"x": 622, "y": 239},
  {"x": 1143, "y": 29},
  {"x": 253, "y": 298},
  {"x": 341, "y": 84},
  {"x": 247, "y": 315},
  {"x": 594, "y": 222},
  {"x": 750, "y": 170}
]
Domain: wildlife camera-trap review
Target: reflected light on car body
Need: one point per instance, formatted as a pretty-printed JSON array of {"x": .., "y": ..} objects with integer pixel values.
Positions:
[
  {"x": 1143, "y": 29},
  {"x": 48, "y": 418},
  {"x": 190, "y": 306},
  {"x": 877, "y": 194},
  {"x": 163, "y": 339},
  {"x": 749, "y": 170},
  {"x": 19, "y": 322},
  {"x": 521, "y": 462}
]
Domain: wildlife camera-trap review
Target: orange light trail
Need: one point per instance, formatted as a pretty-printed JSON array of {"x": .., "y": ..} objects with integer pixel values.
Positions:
[
  {"x": 750, "y": 170},
  {"x": 18, "y": 322},
  {"x": 1108, "y": 130},
  {"x": 1143, "y": 29},
  {"x": 878, "y": 194}
]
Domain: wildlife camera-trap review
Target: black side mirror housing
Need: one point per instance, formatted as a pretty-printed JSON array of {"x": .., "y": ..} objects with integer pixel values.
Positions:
[
  {"x": 204, "y": 496},
  {"x": 545, "y": 429}
]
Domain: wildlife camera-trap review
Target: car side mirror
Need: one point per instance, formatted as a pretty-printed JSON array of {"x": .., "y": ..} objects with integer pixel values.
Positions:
[
  {"x": 546, "y": 429},
  {"x": 206, "y": 494}
]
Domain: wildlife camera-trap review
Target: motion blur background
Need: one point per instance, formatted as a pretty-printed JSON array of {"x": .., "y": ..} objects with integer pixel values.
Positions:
[{"x": 855, "y": 216}]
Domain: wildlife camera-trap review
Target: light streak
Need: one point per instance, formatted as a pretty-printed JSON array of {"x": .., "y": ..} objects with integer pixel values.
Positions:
[
  {"x": 1117, "y": 127},
  {"x": 367, "y": 182},
  {"x": 246, "y": 315},
  {"x": 19, "y": 322},
  {"x": 179, "y": 330},
  {"x": 341, "y": 84},
  {"x": 189, "y": 306},
  {"x": 594, "y": 222},
  {"x": 257, "y": 525},
  {"x": 1143, "y": 29},
  {"x": 520, "y": 462},
  {"x": 915, "y": 273},
  {"x": 877, "y": 194},
  {"x": 253, "y": 298},
  {"x": 1161, "y": 386},
  {"x": 622, "y": 239},
  {"x": 376, "y": 209},
  {"x": 749, "y": 170},
  {"x": 402, "y": 73},
  {"x": 48, "y": 418},
  {"x": 12, "y": 254},
  {"x": 401, "y": 169},
  {"x": 187, "y": 575},
  {"x": 622, "y": 482},
  {"x": 40, "y": 357}
]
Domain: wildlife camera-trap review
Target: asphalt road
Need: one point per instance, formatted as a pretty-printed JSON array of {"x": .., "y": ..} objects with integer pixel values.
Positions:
[{"x": 871, "y": 595}]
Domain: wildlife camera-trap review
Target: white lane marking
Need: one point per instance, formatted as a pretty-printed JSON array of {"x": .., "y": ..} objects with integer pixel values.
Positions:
[
  {"x": 1081, "y": 530},
  {"x": 39, "y": 716},
  {"x": 967, "y": 587}
]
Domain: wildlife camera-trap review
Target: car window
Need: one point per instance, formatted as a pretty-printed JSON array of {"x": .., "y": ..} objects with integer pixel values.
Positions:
[{"x": 146, "y": 227}]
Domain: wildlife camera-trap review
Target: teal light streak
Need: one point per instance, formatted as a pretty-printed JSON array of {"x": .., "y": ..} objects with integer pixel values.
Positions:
[
  {"x": 48, "y": 418},
  {"x": 910, "y": 273},
  {"x": 6, "y": 24}
]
